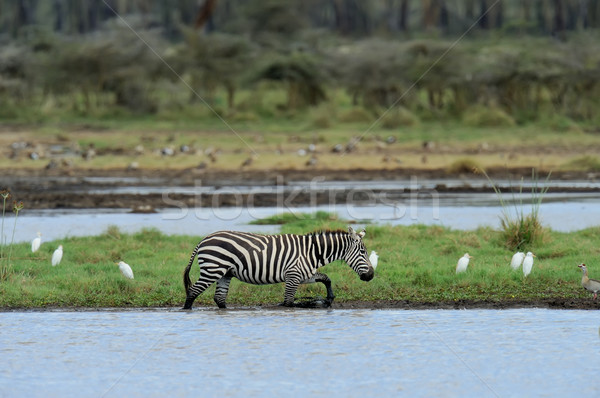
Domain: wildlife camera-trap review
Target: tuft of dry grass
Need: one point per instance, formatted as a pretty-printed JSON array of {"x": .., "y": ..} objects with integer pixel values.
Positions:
[{"x": 520, "y": 231}]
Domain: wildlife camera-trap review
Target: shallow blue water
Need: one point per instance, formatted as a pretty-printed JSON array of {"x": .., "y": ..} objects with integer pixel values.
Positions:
[
  {"x": 332, "y": 353},
  {"x": 59, "y": 224}
]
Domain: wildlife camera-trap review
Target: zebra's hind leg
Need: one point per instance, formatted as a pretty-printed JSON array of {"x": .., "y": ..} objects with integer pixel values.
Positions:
[
  {"x": 222, "y": 289},
  {"x": 291, "y": 285},
  {"x": 209, "y": 274}
]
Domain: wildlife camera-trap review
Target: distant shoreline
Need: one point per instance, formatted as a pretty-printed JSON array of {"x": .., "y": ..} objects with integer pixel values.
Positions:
[{"x": 73, "y": 189}]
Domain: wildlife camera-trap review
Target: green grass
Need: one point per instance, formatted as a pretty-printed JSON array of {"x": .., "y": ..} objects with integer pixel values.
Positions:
[
  {"x": 417, "y": 263},
  {"x": 583, "y": 163},
  {"x": 298, "y": 219}
]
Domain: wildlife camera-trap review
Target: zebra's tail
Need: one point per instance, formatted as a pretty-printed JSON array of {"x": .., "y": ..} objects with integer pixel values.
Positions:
[{"x": 186, "y": 273}]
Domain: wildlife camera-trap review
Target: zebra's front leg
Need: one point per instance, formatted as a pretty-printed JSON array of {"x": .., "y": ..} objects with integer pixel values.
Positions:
[{"x": 324, "y": 279}]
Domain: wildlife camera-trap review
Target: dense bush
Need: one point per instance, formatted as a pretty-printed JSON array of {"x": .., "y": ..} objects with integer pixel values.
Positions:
[{"x": 482, "y": 82}]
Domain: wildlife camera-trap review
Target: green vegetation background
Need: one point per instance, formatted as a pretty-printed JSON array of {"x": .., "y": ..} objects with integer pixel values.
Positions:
[{"x": 484, "y": 63}]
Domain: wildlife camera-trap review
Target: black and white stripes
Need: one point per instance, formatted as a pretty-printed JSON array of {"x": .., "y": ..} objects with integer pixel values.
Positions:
[{"x": 264, "y": 259}]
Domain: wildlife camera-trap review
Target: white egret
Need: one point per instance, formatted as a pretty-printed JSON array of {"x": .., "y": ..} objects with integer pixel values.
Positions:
[
  {"x": 57, "y": 255},
  {"x": 463, "y": 262},
  {"x": 373, "y": 258},
  {"x": 125, "y": 269},
  {"x": 36, "y": 242},
  {"x": 591, "y": 285},
  {"x": 517, "y": 259},
  {"x": 528, "y": 263}
]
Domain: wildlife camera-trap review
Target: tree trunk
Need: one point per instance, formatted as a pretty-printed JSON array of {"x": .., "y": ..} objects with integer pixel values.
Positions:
[
  {"x": 403, "y": 17},
  {"x": 559, "y": 19},
  {"x": 205, "y": 13},
  {"x": 230, "y": 96}
]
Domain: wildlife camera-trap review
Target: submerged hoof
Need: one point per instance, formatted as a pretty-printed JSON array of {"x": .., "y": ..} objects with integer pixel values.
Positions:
[{"x": 313, "y": 302}]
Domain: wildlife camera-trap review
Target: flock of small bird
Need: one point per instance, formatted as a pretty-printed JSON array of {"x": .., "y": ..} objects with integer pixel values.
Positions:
[
  {"x": 526, "y": 260},
  {"x": 58, "y": 254},
  {"x": 517, "y": 259},
  {"x": 591, "y": 285}
]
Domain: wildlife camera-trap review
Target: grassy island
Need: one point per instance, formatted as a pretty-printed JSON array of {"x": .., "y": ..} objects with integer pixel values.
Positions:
[{"x": 416, "y": 269}]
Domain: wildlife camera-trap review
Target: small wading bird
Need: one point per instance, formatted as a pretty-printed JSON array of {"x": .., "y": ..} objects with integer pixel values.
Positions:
[
  {"x": 125, "y": 269},
  {"x": 517, "y": 259},
  {"x": 57, "y": 255},
  {"x": 36, "y": 242},
  {"x": 373, "y": 258},
  {"x": 591, "y": 285},
  {"x": 528, "y": 263},
  {"x": 463, "y": 262}
]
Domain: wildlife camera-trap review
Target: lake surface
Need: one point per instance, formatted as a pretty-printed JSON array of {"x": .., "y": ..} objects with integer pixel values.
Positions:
[
  {"x": 394, "y": 202},
  {"x": 293, "y": 352}
]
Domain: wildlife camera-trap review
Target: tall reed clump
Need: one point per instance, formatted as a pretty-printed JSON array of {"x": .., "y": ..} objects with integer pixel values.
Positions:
[
  {"x": 6, "y": 267},
  {"x": 5, "y": 196},
  {"x": 519, "y": 229}
]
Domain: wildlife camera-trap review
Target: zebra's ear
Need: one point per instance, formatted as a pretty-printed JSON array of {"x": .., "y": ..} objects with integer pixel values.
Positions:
[
  {"x": 362, "y": 233},
  {"x": 352, "y": 232}
]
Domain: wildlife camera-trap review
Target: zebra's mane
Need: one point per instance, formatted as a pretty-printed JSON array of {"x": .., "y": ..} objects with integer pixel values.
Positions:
[{"x": 322, "y": 232}]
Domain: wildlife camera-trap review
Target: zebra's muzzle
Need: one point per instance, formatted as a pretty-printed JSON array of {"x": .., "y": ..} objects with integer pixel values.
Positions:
[{"x": 367, "y": 276}]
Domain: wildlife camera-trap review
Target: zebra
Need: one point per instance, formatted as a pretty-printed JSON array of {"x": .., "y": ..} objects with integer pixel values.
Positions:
[{"x": 265, "y": 259}]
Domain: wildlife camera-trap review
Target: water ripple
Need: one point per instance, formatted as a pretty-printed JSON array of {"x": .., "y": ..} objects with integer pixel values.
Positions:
[{"x": 256, "y": 353}]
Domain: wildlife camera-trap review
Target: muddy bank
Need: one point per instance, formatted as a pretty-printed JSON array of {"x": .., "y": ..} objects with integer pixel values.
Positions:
[
  {"x": 550, "y": 303},
  {"x": 74, "y": 188},
  {"x": 216, "y": 176}
]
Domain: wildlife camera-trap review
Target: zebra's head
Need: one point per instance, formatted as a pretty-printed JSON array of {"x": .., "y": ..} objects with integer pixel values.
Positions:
[{"x": 356, "y": 256}]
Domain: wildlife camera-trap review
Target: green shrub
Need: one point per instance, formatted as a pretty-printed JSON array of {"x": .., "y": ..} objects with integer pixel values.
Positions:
[
  {"x": 561, "y": 123},
  {"x": 322, "y": 117},
  {"x": 480, "y": 116},
  {"x": 246, "y": 116},
  {"x": 357, "y": 114},
  {"x": 399, "y": 117},
  {"x": 464, "y": 165}
]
